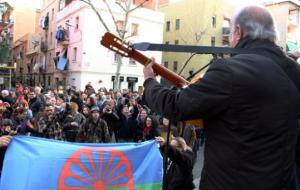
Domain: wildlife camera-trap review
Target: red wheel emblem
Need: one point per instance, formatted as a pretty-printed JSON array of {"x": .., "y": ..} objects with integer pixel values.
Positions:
[{"x": 96, "y": 168}]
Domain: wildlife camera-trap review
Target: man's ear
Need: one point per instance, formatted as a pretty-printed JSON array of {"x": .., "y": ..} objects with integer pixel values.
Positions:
[{"x": 238, "y": 32}]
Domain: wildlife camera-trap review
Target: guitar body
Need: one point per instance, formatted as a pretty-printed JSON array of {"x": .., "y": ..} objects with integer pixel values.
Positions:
[{"x": 117, "y": 45}]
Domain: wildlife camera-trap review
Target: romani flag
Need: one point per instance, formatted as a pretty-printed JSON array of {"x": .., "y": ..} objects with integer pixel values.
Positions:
[{"x": 41, "y": 164}]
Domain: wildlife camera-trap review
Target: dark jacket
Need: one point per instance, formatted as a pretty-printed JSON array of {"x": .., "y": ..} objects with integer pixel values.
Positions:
[
  {"x": 94, "y": 132},
  {"x": 36, "y": 105},
  {"x": 125, "y": 124},
  {"x": 50, "y": 129},
  {"x": 72, "y": 125},
  {"x": 2, "y": 154},
  {"x": 112, "y": 120},
  {"x": 179, "y": 172},
  {"x": 250, "y": 108}
]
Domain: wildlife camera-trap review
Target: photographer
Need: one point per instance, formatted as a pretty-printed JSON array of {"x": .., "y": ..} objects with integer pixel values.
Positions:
[{"x": 111, "y": 117}]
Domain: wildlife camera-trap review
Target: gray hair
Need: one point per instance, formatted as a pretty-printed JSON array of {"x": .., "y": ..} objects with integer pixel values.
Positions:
[{"x": 256, "y": 22}]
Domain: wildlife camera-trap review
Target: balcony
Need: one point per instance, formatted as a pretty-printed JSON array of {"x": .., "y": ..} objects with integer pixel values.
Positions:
[
  {"x": 62, "y": 36},
  {"x": 5, "y": 11}
]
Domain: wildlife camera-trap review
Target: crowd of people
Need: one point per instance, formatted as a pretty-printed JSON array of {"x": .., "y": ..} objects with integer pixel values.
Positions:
[
  {"x": 249, "y": 103},
  {"x": 87, "y": 116}
]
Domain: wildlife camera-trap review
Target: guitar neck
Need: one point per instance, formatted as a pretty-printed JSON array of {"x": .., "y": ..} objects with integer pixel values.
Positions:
[{"x": 174, "y": 78}]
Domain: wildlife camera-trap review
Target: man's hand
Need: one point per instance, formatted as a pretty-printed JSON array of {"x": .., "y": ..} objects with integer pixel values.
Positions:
[
  {"x": 5, "y": 140},
  {"x": 148, "y": 71}
]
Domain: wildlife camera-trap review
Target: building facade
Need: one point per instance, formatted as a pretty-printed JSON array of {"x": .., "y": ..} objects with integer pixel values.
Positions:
[
  {"x": 82, "y": 59},
  {"x": 287, "y": 16},
  {"x": 191, "y": 22},
  {"x": 44, "y": 67},
  {"x": 6, "y": 63}
]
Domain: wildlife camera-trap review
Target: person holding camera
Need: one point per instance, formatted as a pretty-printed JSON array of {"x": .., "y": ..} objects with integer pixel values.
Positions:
[{"x": 109, "y": 114}]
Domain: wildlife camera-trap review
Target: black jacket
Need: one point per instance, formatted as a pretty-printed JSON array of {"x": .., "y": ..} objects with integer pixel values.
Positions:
[
  {"x": 125, "y": 124},
  {"x": 250, "y": 106},
  {"x": 112, "y": 120},
  {"x": 179, "y": 172},
  {"x": 36, "y": 105}
]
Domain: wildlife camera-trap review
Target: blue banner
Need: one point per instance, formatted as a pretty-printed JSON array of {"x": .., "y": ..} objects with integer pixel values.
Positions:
[{"x": 41, "y": 164}]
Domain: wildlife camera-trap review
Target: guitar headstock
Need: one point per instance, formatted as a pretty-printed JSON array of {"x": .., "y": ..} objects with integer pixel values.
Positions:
[{"x": 115, "y": 44}]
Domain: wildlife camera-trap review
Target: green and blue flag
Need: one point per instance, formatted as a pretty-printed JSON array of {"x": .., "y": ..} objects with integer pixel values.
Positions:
[{"x": 43, "y": 164}]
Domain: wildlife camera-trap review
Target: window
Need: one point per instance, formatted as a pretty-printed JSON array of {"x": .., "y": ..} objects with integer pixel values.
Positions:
[
  {"x": 176, "y": 42},
  {"x": 50, "y": 40},
  {"x": 167, "y": 42},
  {"x": 46, "y": 37},
  {"x": 175, "y": 66},
  {"x": 177, "y": 25},
  {"x": 120, "y": 25},
  {"x": 134, "y": 29},
  {"x": 77, "y": 23},
  {"x": 213, "y": 41},
  {"x": 61, "y": 4},
  {"x": 168, "y": 25},
  {"x": 74, "y": 54},
  {"x": 132, "y": 61},
  {"x": 115, "y": 58},
  {"x": 50, "y": 59},
  {"x": 52, "y": 14},
  {"x": 67, "y": 23},
  {"x": 49, "y": 80},
  {"x": 68, "y": 2},
  {"x": 166, "y": 64},
  {"x": 214, "y": 22}
]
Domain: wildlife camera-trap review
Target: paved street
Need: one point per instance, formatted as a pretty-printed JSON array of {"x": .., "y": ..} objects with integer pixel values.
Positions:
[{"x": 198, "y": 167}]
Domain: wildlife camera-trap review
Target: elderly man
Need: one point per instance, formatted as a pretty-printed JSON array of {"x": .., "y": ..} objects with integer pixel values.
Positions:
[{"x": 250, "y": 106}]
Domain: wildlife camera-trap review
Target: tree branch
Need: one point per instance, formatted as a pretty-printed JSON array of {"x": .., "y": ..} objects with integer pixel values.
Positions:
[
  {"x": 97, "y": 13},
  {"x": 118, "y": 3},
  {"x": 112, "y": 16},
  {"x": 140, "y": 5}
]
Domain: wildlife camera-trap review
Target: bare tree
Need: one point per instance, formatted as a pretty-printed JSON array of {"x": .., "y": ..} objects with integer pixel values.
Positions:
[{"x": 128, "y": 7}]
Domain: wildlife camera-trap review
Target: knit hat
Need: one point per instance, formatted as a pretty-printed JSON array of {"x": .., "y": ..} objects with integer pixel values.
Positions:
[{"x": 95, "y": 109}]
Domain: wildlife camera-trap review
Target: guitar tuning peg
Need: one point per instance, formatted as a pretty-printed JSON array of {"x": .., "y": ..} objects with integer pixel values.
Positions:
[{"x": 130, "y": 45}]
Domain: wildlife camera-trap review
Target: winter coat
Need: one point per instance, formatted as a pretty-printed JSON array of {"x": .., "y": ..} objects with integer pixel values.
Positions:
[{"x": 250, "y": 106}]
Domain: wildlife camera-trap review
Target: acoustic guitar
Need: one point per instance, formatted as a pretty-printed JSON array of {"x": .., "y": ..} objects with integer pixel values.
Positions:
[{"x": 117, "y": 45}]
